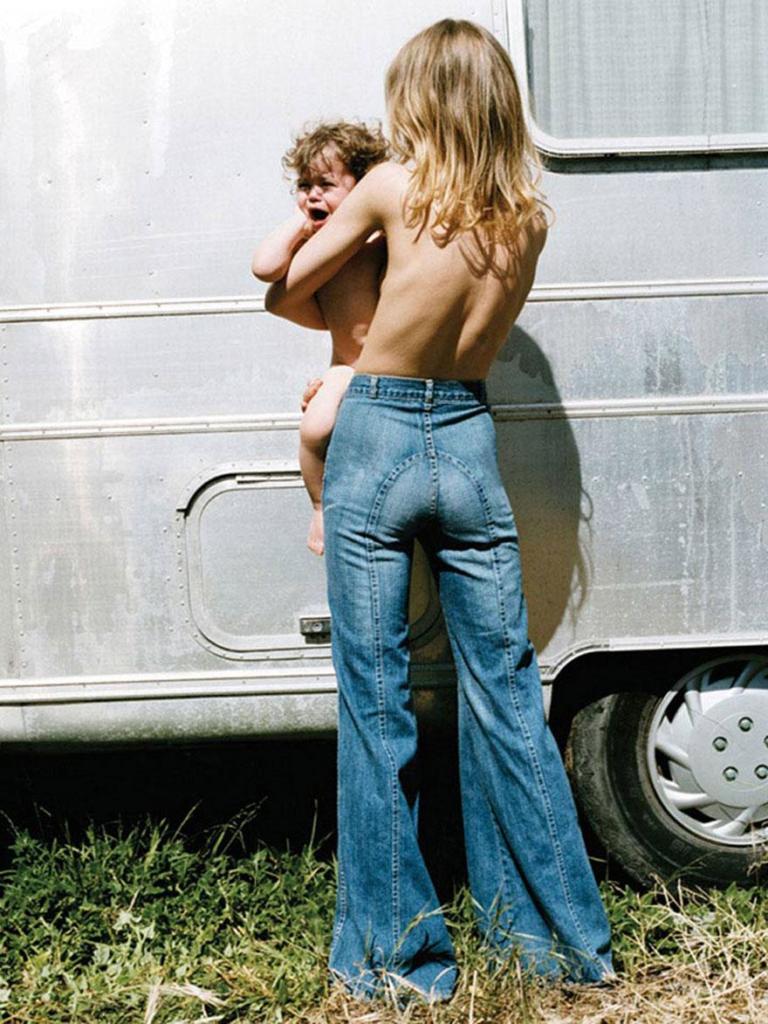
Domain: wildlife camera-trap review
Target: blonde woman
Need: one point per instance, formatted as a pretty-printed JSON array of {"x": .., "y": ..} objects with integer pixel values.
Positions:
[{"x": 413, "y": 455}]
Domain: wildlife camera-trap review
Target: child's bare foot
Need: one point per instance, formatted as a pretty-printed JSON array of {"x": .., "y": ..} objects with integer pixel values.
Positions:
[{"x": 315, "y": 540}]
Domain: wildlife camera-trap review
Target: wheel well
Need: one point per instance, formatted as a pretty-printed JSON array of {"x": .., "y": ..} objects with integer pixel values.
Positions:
[{"x": 600, "y": 673}]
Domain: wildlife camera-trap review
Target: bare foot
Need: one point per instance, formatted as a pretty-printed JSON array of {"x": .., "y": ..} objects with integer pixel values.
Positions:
[{"x": 315, "y": 541}]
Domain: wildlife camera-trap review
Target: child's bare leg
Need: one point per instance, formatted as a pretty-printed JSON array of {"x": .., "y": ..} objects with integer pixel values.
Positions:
[
  {"x": 316, "y": 427},
  {"x": 311, "y": 456}
]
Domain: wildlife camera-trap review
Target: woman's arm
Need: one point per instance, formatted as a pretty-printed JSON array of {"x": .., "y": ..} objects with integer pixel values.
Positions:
[
  {"x": 273, "y": 258},
  {"x": 329, "y": 249}
]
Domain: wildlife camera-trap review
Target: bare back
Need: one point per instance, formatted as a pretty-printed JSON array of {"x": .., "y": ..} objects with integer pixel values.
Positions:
[{"x": 440, "y": 313}]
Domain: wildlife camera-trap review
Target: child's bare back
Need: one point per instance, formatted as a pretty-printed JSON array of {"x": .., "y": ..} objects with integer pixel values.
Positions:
[{"x": 348, "y": 301}]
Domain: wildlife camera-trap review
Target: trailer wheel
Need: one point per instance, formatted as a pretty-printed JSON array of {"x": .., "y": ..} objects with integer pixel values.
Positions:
[{"x": 676, "y": 785}]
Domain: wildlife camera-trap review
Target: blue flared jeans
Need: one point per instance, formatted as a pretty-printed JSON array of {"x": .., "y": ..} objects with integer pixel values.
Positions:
[{"x": 415, "y": 458}]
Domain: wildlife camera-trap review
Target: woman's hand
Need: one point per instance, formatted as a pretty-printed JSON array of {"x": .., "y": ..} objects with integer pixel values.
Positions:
[{"x": 313, "y": 386}]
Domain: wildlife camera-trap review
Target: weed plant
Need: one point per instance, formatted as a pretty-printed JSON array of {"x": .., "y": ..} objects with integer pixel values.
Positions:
[{"x": 138, "y": 926}]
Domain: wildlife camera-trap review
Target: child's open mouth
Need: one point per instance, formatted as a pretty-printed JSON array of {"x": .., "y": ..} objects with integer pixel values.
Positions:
[{"x": 318, "y": 214}]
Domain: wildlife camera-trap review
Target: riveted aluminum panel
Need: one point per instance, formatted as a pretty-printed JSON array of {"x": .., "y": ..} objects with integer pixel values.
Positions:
[
  {"x": 158, "y": 368},
  {"x": 622, "y": 350},
  {"x": 9, "y": 591},
  {"x": 636, "y": 465},
  {"x": 640, "y": 526},
  {"x": 142, "y": 140},
  {"x": 105, "y": 581},
  {"x": 660, "y": 220}
]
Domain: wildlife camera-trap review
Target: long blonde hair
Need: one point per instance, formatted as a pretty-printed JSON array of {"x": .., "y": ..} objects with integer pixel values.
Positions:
[{"x": 455, "y": 110}]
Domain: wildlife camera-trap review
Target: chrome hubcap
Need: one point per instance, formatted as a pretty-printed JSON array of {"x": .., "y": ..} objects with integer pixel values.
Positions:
[{"x": 708, "y": 750}]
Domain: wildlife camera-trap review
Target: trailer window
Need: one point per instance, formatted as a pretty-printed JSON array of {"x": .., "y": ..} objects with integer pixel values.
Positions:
[{"x": 644, "y": 75}]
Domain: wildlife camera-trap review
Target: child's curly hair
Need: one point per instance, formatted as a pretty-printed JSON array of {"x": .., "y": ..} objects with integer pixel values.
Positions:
[{"x": 358, "y": 145}]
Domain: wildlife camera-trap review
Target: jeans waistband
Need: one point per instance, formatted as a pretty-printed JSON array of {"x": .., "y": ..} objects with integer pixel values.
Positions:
[{"x": 423, "y": 391}]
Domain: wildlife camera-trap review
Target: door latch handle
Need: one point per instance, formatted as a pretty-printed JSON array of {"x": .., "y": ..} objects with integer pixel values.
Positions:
[{"x": 316, "y": 628}]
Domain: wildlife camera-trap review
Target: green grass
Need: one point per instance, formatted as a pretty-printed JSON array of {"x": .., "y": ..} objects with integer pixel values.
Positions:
[{"x": 141, "y": 926}]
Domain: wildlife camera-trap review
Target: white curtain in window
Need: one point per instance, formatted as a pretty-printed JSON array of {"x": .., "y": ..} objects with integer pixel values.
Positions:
[{"x": 639, "y": 68}]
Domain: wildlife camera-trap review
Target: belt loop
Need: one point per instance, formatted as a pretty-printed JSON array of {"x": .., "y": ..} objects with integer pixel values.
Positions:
[
  {"x": 429, "y": 388},
  {"x": 373, "y": 387}
]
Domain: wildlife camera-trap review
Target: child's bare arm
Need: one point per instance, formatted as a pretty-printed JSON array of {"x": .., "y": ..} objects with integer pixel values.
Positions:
[{"x": 273, "y": 258}]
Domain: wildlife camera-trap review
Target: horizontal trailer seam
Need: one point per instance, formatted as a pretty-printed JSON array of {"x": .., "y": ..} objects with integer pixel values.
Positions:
[{"x": 566, "y": 291}]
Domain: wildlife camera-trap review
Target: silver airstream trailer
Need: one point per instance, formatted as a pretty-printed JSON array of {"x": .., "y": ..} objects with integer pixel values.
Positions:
[{"x": 156, "y": 584}]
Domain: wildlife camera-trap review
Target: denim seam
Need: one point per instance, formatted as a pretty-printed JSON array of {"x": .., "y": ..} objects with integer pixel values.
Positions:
[
  {"x": 538, "y": 775},
  {"x": 504, "y": 876},
  {"x": 385, "y": 485},
  {"x": 504, "y": 856},
  {"x": 381, "y": 715},
  {"x": 378, "y": 661},
  {"x": 547, "y": 804},
  {"x": 342, "y": 916},
  {"x": 432, "y": 456},
  {"x": 496, "y": 831}
]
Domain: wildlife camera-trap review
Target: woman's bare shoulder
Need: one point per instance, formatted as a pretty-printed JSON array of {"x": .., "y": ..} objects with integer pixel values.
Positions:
[
  {"x": 381, "y": 190},
  {"x": 389, "y": 169},
  {"x": 387, "y": 177}
]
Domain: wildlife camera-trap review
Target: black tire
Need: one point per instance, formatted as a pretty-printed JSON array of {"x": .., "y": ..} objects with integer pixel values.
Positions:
[{"x": 612, "y": 784}]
